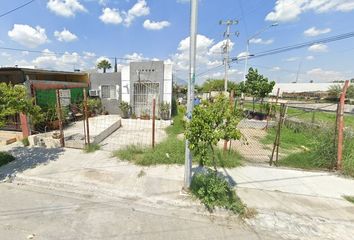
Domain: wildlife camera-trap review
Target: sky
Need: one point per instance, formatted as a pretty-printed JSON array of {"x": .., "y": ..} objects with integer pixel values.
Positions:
[{"x": 75, "y": 34}]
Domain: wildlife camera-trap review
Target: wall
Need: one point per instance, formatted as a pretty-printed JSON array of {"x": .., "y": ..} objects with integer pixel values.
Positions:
[
  {"x": 115, "y": 78},
  {"x": 150, "y": 71}
]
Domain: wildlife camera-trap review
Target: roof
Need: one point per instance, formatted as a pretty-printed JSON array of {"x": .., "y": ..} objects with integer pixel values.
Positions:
[{"x": 40, "y": 71}]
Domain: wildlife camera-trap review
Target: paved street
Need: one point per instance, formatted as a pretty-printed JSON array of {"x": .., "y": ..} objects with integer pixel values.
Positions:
[
  {"x": 97, "y": 196},
  {"x": 52, "y": 215}
]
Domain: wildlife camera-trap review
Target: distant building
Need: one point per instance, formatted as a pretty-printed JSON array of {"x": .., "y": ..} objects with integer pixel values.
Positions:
[{"x": 302, "y": 89}]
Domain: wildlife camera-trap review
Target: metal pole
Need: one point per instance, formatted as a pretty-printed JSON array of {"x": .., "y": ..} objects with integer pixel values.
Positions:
[
  {"x": 227, "y": 56},
  {"x": 62, "y": 143},
  {"x": 86, "y": 118},
  {"x": 190, "y": 95},
  {"x": 341, "y": 126},
  {"x": 153, "y": 121}
]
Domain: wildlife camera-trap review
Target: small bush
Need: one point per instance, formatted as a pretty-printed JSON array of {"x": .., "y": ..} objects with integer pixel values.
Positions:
[
  {"x": 25, "y": 142},
  {"x": 214, "y": 191},
  {"x": 5, "y": 158},
  {"x": 92, "y": 148},
  {"x": 349, "y": 198}
]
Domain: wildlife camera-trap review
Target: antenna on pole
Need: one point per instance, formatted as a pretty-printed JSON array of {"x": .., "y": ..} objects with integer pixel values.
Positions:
[{"x": 226, "y": 46}]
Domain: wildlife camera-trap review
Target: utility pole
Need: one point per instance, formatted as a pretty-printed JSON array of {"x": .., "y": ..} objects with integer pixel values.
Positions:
[
  {"x": 190, "y": 94},
  {"x": 226, "y": 46}
]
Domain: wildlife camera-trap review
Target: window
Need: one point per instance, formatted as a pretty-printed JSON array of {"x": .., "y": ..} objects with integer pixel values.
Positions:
[{"x": 108, "y": 91}]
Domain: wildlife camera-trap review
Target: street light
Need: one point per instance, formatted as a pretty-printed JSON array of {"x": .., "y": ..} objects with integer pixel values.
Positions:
[{"x": 248, "y": 45}]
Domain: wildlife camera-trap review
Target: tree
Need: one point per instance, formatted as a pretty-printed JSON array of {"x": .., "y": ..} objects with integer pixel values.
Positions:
[
  {"x": 218, "y": 85},
  {"x": 335, "y": 90},
  {"x": 212, "y": 122},
  {"x": 257, "y": 86},
  {"x": 104, "y": 64},
  {"x": 14, "y": 100}
]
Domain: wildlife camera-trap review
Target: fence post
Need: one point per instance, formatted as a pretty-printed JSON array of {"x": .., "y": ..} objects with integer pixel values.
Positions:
[
  {"x": 60, "y": 118},
  {"x": 341, "y": 125},
  {"x": 153, "y": 121},
  {"x": 277, "y": 137},
  {"x": 86, "y": 118}
]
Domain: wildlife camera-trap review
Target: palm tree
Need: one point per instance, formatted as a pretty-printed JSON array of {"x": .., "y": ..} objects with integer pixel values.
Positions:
[{"x": 104, "y": 64}]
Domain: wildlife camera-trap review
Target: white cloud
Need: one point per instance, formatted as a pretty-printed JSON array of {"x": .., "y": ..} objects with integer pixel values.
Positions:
[
  {"x": 5, "y": 54},
  {"x": 28, "y": 36},
  {"x": 289, "y": 10},
  {"x": 261, "y": 41},
  {"x": 65, "y": 36},
  {"x": 318, "y": 74},
  {"x": 275, "y": 69},
  {"x": 310, "y": 57},
  {"x": 243, "y": 55},
  {"x": 111, "y": 16},
  {"x": 134, "y": 57},
  {"x": 313, "y": 31},
  {"x": 291, "y": 59},
  {"x": 67, "y": 61},
  {"x": 102, "y": 58},
  {"x": 151, "y": 25},
  {"x": 88, "y": 55},
  {"x": 24, "y": 53},
  {"x": 139, "y": 9},
  {"x": 319, "y": 47},
  {"x": 65, "y": 8}
]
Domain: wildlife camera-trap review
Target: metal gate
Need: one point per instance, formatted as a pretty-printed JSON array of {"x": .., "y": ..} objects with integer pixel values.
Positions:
[{"x": 144, "y": 93}]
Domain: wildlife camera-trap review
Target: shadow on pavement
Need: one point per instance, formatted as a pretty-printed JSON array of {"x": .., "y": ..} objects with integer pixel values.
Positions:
[{"x": 27, "y": 158}]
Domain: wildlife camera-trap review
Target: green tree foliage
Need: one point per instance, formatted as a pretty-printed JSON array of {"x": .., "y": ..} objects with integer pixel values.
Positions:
[
  {"x": 104, "y": 64},
  {"x": 13, "y": 100},
  {"x": 257, "y": 85},
  {"x": 211, "y": 122},
  {"x": 218, "y": 85},
  {"x": 335, "y": 90}
]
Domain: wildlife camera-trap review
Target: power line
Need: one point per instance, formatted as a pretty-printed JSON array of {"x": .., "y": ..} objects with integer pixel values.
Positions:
[
  {"x": 296, "y": 46},
  {"x": 53, "y": 53},
  {"x": 17, "y": 8}
]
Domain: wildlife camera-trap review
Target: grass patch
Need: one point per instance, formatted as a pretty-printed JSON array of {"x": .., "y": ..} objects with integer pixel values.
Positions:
[
  {"x": 349, "y": 198},
  {"x": 290, "y": 138},
  {"x": 6, "y": 158},
  {"x": 92, "y": 148},
  {"x": 172, "y": 150},
  {"x": 214, "y": 191}
]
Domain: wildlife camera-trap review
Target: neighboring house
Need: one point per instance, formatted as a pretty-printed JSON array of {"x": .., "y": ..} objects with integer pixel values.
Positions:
[
  {"x": 107, "y": 86},
  {"x": 137, "y": 84},
  {"x": 42, "y": 86}
]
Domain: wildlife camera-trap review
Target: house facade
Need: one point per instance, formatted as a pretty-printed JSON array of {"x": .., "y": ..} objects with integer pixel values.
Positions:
[{"x": 136, "y": 84}]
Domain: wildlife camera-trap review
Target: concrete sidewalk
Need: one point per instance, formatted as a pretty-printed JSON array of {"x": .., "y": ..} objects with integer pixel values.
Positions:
[{"x": 297, "y": 204}]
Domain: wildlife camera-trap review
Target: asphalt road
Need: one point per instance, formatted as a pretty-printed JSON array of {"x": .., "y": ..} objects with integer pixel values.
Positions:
[{"x": 28, "y": 212}]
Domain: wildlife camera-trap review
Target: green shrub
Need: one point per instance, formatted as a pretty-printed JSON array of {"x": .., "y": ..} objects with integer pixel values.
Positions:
[
  {"x": 214, "y": 191},
  {"x": 92, "y": 148},
  {"x": 6, "y": 158},
  {"x": 25, "y": 142}
]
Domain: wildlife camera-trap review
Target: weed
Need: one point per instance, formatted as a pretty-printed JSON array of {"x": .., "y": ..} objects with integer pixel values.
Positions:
[
  {"x": 141, "y": 173},
  {"x": 5, "y": 158},
  {"x": 92, "y": 148},
  {"x": 349, "y": 198},
  {"x": 214, "y": 191},
  {"x": 25, "y": 142}
]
